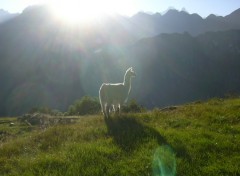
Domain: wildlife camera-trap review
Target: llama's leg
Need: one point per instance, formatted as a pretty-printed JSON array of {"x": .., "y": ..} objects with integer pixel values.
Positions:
[
  {"x": 107, "y": 110},
  {"x": 102, "y": 103},
  {"x": 115, "y": 108},
  {"x": 119, "y": 108},
  {"x": 104, "y": 109}
]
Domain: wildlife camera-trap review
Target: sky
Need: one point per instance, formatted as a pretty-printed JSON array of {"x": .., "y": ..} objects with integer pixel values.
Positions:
[{"x": 130, "y": 7}]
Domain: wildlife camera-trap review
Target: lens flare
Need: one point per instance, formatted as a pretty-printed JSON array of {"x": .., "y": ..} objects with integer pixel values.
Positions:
[{"x": 164, "y": 162}]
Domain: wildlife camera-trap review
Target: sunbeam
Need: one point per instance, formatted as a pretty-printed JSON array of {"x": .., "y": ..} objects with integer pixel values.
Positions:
[{"x": 80, "y": 10}]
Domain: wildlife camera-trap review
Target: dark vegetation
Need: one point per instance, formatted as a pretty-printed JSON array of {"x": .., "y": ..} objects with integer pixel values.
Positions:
[
  {"x": 90, "y": 105},
  {"x": 87, "y": 106},
  {"x": 132, "y": 106},
  {"x": 84, "y": 106},
  {"x": 200, "y": 138}
]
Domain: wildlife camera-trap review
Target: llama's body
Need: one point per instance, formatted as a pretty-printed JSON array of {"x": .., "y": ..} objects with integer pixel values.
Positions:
[{"x": 114, "y": 95}]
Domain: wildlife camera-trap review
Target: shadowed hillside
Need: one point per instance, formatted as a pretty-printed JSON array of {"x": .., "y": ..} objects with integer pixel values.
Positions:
[
  {"x": 44, "y": 62},
  {"x": 177, "y": 68}
]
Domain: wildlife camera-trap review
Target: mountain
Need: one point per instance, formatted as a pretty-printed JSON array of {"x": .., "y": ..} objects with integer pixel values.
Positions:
[
  {"x": 233, "y": 18},
  {"x": 174, "y": 21},
  {"x": 4, "y": 15},
  {"x": 45, "y": 62},
  {"x": 177, "y": 68}
]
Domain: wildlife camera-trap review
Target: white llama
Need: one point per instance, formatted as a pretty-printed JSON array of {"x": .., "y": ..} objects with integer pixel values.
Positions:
[{"x": 115, "y": 94}]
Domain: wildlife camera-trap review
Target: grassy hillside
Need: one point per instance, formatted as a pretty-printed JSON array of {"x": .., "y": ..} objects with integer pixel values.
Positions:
[{"x": 201, "y": 138}]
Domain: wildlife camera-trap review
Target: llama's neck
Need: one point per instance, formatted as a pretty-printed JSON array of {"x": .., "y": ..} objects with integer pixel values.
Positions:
[{"x": 127, "y": 83}]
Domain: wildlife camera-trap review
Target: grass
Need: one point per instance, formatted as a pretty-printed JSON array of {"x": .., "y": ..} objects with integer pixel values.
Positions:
[{"x": 201, "y": 138}]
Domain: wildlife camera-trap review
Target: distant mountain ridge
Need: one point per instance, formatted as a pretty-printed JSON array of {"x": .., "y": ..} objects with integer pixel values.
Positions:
[
  {"x": 174, "y": 21},
  {"x": 4, "y": 15}
]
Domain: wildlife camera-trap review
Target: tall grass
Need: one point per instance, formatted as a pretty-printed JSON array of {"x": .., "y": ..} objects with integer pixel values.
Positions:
[{"x": 194, "y": 139}]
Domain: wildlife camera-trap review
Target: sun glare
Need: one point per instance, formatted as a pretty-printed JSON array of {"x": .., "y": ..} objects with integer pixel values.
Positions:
[{"x": 81, "y": 10}]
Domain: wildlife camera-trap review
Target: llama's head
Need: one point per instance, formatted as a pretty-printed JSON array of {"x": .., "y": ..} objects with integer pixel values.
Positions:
[{"x": 130, "y": 72}]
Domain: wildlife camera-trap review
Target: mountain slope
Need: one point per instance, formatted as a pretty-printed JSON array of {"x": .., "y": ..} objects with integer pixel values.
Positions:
[
  {"x": 44, "y": 62},
  {"x": 177, "y": 68},
  {"x": 5, "y": 16}
]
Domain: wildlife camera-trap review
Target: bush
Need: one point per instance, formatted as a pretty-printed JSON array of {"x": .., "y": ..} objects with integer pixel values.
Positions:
[
  {"x": 133, "y": 106},
  {"x": 84, "y": 106}
]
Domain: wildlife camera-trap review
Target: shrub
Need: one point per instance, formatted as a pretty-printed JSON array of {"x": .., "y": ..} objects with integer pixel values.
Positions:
[
  {"x": 133, "y": 106},
  {"x": 84, "y": 106}
]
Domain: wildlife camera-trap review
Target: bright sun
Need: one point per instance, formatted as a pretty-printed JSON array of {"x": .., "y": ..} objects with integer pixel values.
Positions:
[{"x": 85, "y": 10}]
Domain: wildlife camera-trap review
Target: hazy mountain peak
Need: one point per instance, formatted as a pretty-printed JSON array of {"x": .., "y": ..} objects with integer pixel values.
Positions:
[
  {"x": 176, "y": 13},
  {"x": 211, "y": 16},
  {"x": 236, "y": 12},
  {"x": 157, "y": 13},
  {"x": 37, "y": 9},
  {"x": 3, "y": 12},
  {"x": 172, "y": 11},
  {"x": 141, "y": 14},
  {"x": 196, "y": 15},
  {"x": 5, "y": 15},
  {"x": 234, "y": 17},
  {"x": 184, "y": 10}
]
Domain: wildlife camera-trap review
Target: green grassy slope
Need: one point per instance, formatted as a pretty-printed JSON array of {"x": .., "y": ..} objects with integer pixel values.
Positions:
[{"x": 194, "y": 139}]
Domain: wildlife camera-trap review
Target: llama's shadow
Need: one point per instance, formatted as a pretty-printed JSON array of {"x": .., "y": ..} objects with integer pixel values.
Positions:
[{"x": 129, "y": 134}]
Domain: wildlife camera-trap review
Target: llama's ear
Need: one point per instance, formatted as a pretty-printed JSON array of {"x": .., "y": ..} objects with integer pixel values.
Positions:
[{"x": 131, "y": 68}]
